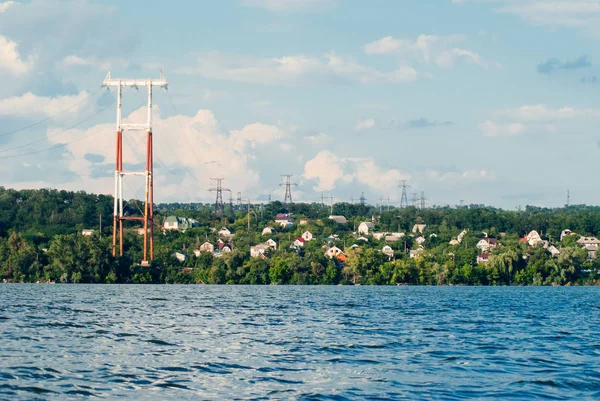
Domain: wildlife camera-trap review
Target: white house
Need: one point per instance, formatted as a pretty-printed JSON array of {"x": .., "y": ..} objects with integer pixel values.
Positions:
[
  {"x": 298, "y": 243},
  {"x": 460, "y": 236},
  {"x": 362, "y": 239},
  {"x": 258, "y": 251},
  {"x": 307, "y": 236},
  {"x": 589, "y": 241},
  {"x": 365, "y": 227},
  {"x": 285, "y": 220},
  {"x": 268, "y": 231},
  {"x": 339, "y": 219},
  {"x": 333, "y": 252},
  {"x": 388, "y": 251},
  {"x": 413, "y": 253},
  {"x": 485, "y": 244},
  {"x": 225, "y": 233},
  {"x": 454, "y": 242},
  {"x": 87, "y": 233},
  {"x": 207, "y": 247},
  {"x": 272, "y": 244},
  {"x": 182, "y": 257},
  {"x": 420, "y": 240},
  {"x": 180, "y": 223},
  {"x": 419, "y": 228},
  {"x": 378, "y": 236},
  {"x": 553, "y": 251},
  {"x": 565, "y": 233},
  {"x": 533, "y": 238},
  {"x": 483, "y": 258}
]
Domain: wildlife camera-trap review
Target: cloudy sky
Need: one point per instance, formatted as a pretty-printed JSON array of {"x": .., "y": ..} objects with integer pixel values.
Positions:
[{"x": 485, "y": 101}]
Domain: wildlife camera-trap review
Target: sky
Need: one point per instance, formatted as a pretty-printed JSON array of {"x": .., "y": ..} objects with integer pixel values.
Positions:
[{"x": 477, "y": 101}]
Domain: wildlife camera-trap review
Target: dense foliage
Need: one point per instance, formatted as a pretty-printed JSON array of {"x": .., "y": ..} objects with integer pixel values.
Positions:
[{"x": 40, "y": 240}]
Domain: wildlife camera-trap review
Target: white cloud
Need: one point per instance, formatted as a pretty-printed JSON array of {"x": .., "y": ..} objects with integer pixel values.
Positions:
[
  {"x": 330, "y": 170},
  {"x": 364, "y": 124},
  {"x": 29, "y": 105},
  {"x": 491, "y": 128},
  {"x": 320, "y": 139},
  {"x": 11, "y": 60},
  {"x": 199, "y": 144},
  {"x": 584, "y": 14},
  {"x": 289, "y": 6},
  {"x": 439, "y": 50},
  {"x": 540, "y": 113},
  {"x": 293, "y": 70},
  {"x": 5, "y": 5},
  {"x": 454, "y": 177}
]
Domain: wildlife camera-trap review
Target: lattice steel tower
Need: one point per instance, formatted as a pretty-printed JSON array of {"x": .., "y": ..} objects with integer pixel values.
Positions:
[
  {"x": 148, "y": 215},
  {"x": 288, "y": 188},
  {"x": 218, "y": 188},
  {"x": 404, "y": 198}
]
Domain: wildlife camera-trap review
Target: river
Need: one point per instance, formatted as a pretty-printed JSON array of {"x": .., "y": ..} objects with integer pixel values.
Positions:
[{"x": 157, "y": 342}]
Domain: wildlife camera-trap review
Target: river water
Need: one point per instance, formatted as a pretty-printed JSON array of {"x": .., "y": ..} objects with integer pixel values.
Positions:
[{"x": 157, "y": 342}]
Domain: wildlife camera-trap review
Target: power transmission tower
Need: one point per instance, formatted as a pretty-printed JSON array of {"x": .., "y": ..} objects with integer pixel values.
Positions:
[
  {"x": 147, "y": 217},
  {"x": 330, "y": 198},
  {"x": 218, "y": 188},
  {"x": 568, "y": 197},
  {"x": 363, "y": 200},
  {"x": 388, "y": 204},
  {"x": 381, "y": 205},
  {"x": 414, "y": 199},
  {"x": 423, "y": 199},
  {"x": 404, "y": 198},
  {"x": 288, "y": 188},
  {"x": 239, "y": 199}
]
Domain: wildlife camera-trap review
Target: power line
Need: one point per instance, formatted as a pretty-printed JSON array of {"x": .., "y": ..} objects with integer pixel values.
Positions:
[
  {"x": 62, "y": 144},
  {"x": 50, "y": 117},
  {"x": 59, "y": 132}
]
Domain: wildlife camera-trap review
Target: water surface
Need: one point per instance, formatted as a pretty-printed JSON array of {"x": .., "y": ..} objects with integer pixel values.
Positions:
[{"x": 154, "y": 342}]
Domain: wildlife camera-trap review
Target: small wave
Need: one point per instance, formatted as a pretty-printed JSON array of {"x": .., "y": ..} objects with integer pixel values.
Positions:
[
  {"x": 160, "y": 342},
  {"x": 157, "y": 299}
]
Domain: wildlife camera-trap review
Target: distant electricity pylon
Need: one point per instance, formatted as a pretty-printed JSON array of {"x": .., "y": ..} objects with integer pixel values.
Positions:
[
  {"x": 288, "y": 188},
  {"x": 148, "y": 214},
  {"x": 330, "y": 198},
  {"x": 404, "y": 198},
  {"x": 414, "y": 199},
  {"x": 568, "y": 197},
  {"x": 239, "y": 199},
  {"x": 218, "y": 188},
  {"x": 423, "y": 199}
]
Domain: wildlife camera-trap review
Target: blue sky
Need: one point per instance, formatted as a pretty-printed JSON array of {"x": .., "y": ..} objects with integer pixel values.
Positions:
[{"x": 486, "y": 101}]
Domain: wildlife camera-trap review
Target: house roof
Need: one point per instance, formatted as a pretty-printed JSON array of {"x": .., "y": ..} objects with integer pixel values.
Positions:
[
  {"x": 368, "y": 224},
  {"x": 339, "y": 219},
  {"x": 284, "y": 216}
]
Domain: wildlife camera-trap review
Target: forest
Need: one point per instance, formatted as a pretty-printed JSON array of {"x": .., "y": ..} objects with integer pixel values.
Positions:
[{"x": 41, "y": 241}]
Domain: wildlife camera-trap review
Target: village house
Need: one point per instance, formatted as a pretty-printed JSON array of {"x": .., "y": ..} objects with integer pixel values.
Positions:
[
  {"x": 303, "y": 222},
  {"x": 298, "y": 243},
  {"x": 271, "y": 244},
  {"x": 225, "y": 233},
  {"x": 459, "y": 238},
  {"x": 87, "y": 233},
  {"x": 365, "y": 227},
  {"x": 533, "y": 238},
  {"x": 591, "y": 245},
  {"x": 483, "y": 258},
  {"x": 553, "y": 251},
  {"x": 420, "y": 240},
  {"x": 388, "y": 251},
  {"x": 207, "y": 247},
  {"x": 566, "y": 233},
  {"x": 182, "y": 257},
  {"x": 285, "y": 220},
  {"x": 307, "y": 236},
  {"x": 180, "y": 223},
  {"x": 486, "y": 244},
  {"x": 454, "y": 242},
  {"x": 268, "y": 231},
  {"x": 339, "y": 219},
  {"x": 333, "y": 252},
  {"x": 413, "y": 253},
  {"x": 258, "y": 251},
  {"x": 419, "y": 228},
  {"x": 362, "y": 239},
  {"x": 225, "y": 247}
]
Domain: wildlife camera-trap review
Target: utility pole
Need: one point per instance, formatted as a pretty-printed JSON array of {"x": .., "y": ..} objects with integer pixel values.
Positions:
[
  {"x": 404, "y": 198},
  {"x": 148, "y": 215},
  {"x": 218, "y": 188},
  {"x": 288, "y": 188}
]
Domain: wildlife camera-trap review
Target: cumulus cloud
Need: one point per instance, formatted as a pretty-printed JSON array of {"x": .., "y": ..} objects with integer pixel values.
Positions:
[
  {"x": 5, "y": 5},
  {"x": 293, "y": 70},
  {"x": 188, "y": 151},
  {"x": 10, "y": 58},
  {"x": 330, "y": 170},
  {"x": 431, "y": 49},
  {"x": 29, "y": 105}
]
